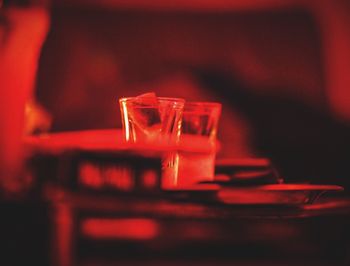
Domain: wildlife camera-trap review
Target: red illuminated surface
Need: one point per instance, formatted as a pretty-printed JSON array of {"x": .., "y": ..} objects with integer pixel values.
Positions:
[
  {"x": 20, "y": 46},
  {"x": 90, "y": 175},
  {"x": 244, "y": 196},
  {"x": 63, "y": 233},
  {"x": 333, "y": 19},
  {"x": 149, "y": 179},
  {"x": 96, "y": 140},
  {"x": 119, "y": 177},
  {"x": 122, "y": 228},
  {"x": 97, "y": 177},
  {"x": 241, "y": 162},
  {"x": 20, "y": 50},
  {"x": 185, "y": 4},
  {"x": 292, "y": 194}
]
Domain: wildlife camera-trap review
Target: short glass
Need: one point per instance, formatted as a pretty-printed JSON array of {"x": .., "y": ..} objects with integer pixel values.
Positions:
[
  {"x": 195, "y": 159},
  {"x": 151, "y": 119},
  {"x": 154, "y": 121}
]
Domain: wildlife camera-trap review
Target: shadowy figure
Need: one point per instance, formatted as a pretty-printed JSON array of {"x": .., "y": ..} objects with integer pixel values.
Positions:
[{"x": 306, "y": 145}]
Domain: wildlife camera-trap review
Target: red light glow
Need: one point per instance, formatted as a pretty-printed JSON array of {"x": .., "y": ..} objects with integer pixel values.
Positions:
[
  {"x": 119, "y": 177},
  {"x": 63, "y": 244},
  {"x": 121, "y": 228},
  {"x": 149, "y": 179},
  {"x": 89, "y": 175},
  {"x": 97, "y": 177}
]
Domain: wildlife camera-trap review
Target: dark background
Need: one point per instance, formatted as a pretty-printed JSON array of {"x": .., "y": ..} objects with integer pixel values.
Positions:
[{"x": 268, "y": 65}]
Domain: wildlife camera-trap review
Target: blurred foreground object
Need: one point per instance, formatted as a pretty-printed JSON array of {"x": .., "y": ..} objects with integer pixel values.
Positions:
[
  {"x": 37, "y": 119},
  {"x": 106, "y": 205},
  {"x": 22, "y": 33},
  {"x": 94, "y": 161}
]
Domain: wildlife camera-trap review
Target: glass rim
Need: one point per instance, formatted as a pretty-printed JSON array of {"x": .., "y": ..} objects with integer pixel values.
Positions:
[{"x": 168, "y": 99}]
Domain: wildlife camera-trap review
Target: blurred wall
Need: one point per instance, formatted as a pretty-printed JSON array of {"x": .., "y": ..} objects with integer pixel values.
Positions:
[
  {"x": 280, "y": 72},
  {"x": 93, "y": 56}
]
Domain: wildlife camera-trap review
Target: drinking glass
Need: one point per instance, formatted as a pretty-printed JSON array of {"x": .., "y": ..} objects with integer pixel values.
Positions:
[
  {"x": 151, "y": 119},
  {"x": 155, "y": 122},
  {"x": 195, "y": 158}
]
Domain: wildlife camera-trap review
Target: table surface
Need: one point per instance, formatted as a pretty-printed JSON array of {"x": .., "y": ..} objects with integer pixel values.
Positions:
[{"x": 190, "y": 232}]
